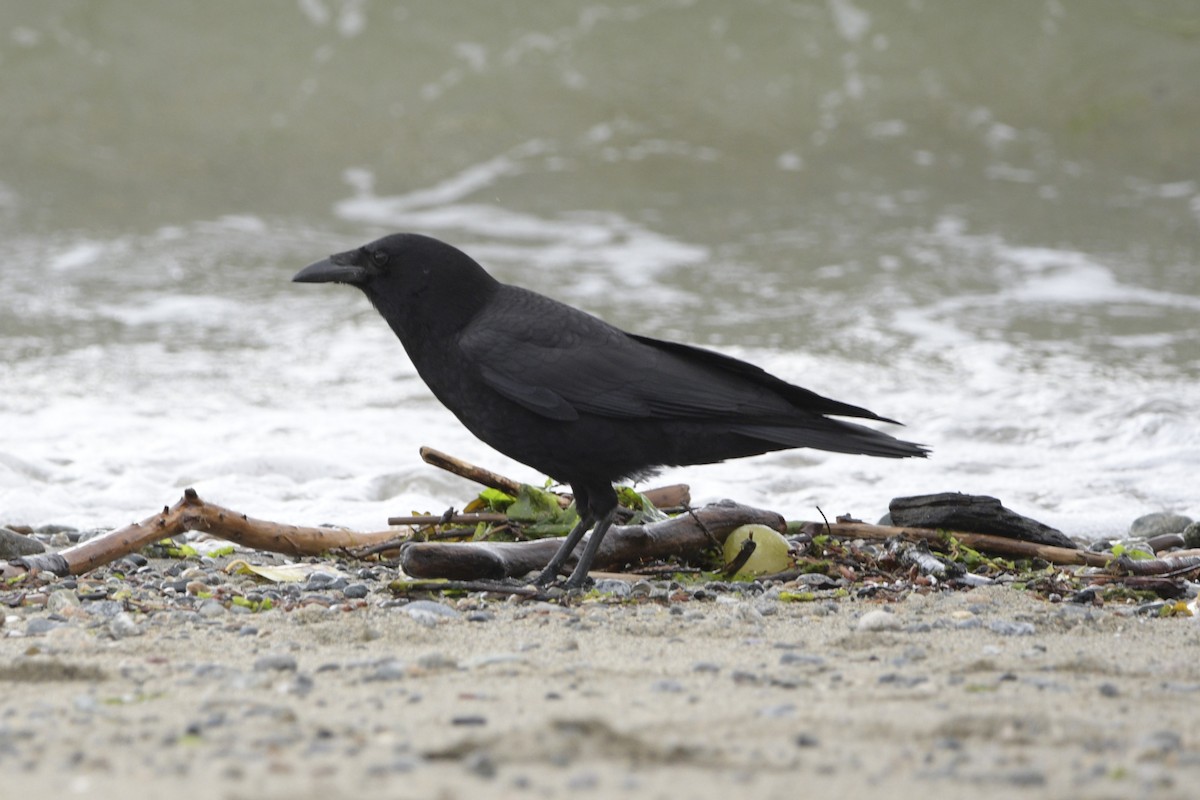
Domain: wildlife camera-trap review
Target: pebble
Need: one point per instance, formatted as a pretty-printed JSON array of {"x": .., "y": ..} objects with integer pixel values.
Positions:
[
  {"x": 878, "y": 620},
  {"x": 13, "y": 545},
  {"x": 40, "y": 625},
  {"x": 1011, "y": 628},
  {"x": 277, "y": 662},
  {"x": 613, "y": 587},
  {"x": 1157, "y": 523},
  {"x": 430, "y": 612},
  {"x": 211, "y": 609},
  {"x": 123, "y": 625},
  {"x": 356, "y": 591}
]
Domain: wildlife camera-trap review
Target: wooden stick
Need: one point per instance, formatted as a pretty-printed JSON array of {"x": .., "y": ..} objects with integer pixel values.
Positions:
[
  {"x": 193, "y": 514},
  {"x": 977, "y": 541},
  {"x": 684, "y": 536},
  {"x": 421, "y": 520},
  {"x": 672, "y": 496}
]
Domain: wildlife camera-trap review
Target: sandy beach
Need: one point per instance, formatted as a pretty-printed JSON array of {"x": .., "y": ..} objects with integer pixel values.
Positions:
[{"x": 988, "y": 692}]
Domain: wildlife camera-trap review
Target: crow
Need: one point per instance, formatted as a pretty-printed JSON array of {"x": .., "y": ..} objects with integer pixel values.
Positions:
[{"x": 574, "y": 397}]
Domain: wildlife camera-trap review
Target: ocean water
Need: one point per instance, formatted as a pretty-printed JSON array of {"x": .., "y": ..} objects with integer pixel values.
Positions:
[{"x": 980, "y": 219}]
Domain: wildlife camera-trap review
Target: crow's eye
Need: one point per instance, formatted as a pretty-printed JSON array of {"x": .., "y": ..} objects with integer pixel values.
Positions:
[{"x": 379, "y": 258}]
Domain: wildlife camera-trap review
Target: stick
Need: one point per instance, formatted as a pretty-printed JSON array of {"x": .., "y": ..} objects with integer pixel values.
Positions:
[
  {"x": 421, "y": 520},
  {"x": 193, "y": 514},
  {"x": 978, "y": 541},
  {"x": 672, "y": 496},
  {"x": 682, "y": 536}
]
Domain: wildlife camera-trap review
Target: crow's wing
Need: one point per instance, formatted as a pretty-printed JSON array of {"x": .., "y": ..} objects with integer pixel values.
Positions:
[{"x": 560, "y": 362}]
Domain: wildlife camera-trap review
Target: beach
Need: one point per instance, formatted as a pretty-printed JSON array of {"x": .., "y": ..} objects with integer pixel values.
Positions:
[{"x": 738, "y": 693}]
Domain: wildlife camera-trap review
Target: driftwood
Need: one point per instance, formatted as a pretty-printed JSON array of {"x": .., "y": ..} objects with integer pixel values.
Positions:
[
  {"x": 999, "y": 545},
  {"x": 193, "y": 514},
  {"x": 685, "y": 536},
  {"x": 674, "y": 496},
  {"x": 972, "y": 512}
]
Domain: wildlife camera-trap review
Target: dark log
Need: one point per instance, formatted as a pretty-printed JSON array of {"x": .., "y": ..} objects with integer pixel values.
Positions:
[
  {"x": 685, "y": 536},
  {"x": 973, "y": 514}
]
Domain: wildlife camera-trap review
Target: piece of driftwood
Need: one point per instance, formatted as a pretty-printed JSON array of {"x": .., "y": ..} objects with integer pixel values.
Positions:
[
  {"x": 193, "y": 514},
  {"x": 674, "y": 496},
  {"x": 998, "y": 545},
  {"x": 974, "y": 513},
  {"x": 420, "y": 520},
  {"x": 685, "y": 536}
]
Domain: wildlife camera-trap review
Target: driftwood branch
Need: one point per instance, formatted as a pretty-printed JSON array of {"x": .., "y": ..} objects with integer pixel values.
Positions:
[
  {"x": 685, "y": 536},
  {"x": 673, "y": 496},
  {"x": 193, "y": 514},
  {"x": 999, "y": 545}
]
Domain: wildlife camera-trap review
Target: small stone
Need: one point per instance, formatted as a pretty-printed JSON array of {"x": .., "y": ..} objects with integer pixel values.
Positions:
[
  {"x": 706, "y": 666},
  {"x": 878, "y": 620},
  {"x": 40, "y": 625},
  {"x": 211, "y": 608},
  {"x": 469, "y": 719},
  {"x": 1157, "y": 523},
  {"x": 356, "y": 591},
  {"x": 1191, "y": 536},
  {"x": 480, "y": 616},
  {"x": 613, "y": 587},
  {"x": 13, "y": 545},
  {"x": 123, "y": 625},
  {"x": 62, "y": 600},
  {"x": 668, "y": 686},
  {"x": 1011, "y": 628},
  {"x": 1109, "y": 690},
  {"x": 779, "y": 711},
  {"x": 277, "y": 662},
  {"x": 429, "y": 612}
]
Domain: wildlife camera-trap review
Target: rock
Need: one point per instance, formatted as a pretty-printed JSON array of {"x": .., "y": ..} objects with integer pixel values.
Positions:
[
  {"x": 878, "y": 620},
  {"x": 429, "y": 612},
  {"x": 1158, "y": 523},
  {"x": 13, "y": 545},
  {"x": 1191, "y": 535},
  {"x": 1010, "y": 628},
  {"x": 276, "y": 662},
  {"x": 972, "y": 514}
]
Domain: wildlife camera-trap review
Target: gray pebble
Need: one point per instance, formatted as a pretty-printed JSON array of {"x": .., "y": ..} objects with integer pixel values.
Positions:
[
  {"x": 211, "y": 608},
  {"x": 104, "y": 609},
  {"x": 1191, "y": 536},
  {"x": 611, "y": 586},
  {"x": 480, "y": 616},
  {"x": 802, "y": 659},
  {"x": 13, "y": 545},
  {"x": 878, "y": 620},
  {"x": 428, "y": 612},
  {"x": 39, "y": 625},
  {"x": 778, "y": 711},
  {"x": 667, "y": 685},
  {"x": 1109, "y": 690},
  {"x": 706, "y": 666},
  {"x": 1011, "y": 628},
  {"x": 356, "y": 591},
  {"x": 123, "y": 625},
  {"x": 277, "y": 662},
  {"x": 1157, "y": 523}
]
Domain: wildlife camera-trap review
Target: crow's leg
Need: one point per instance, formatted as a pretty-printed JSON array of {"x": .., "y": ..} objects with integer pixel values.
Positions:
[
  {"x": 579, "y": 576},
  {"x": 565, "y": 549}
]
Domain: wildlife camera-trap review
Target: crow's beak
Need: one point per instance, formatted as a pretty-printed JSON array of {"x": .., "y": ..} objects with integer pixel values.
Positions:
[{"x": 335, "y": 269}]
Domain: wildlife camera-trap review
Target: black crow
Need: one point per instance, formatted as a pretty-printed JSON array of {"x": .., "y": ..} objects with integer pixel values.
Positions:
[{"x": 573, "y": 397}]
